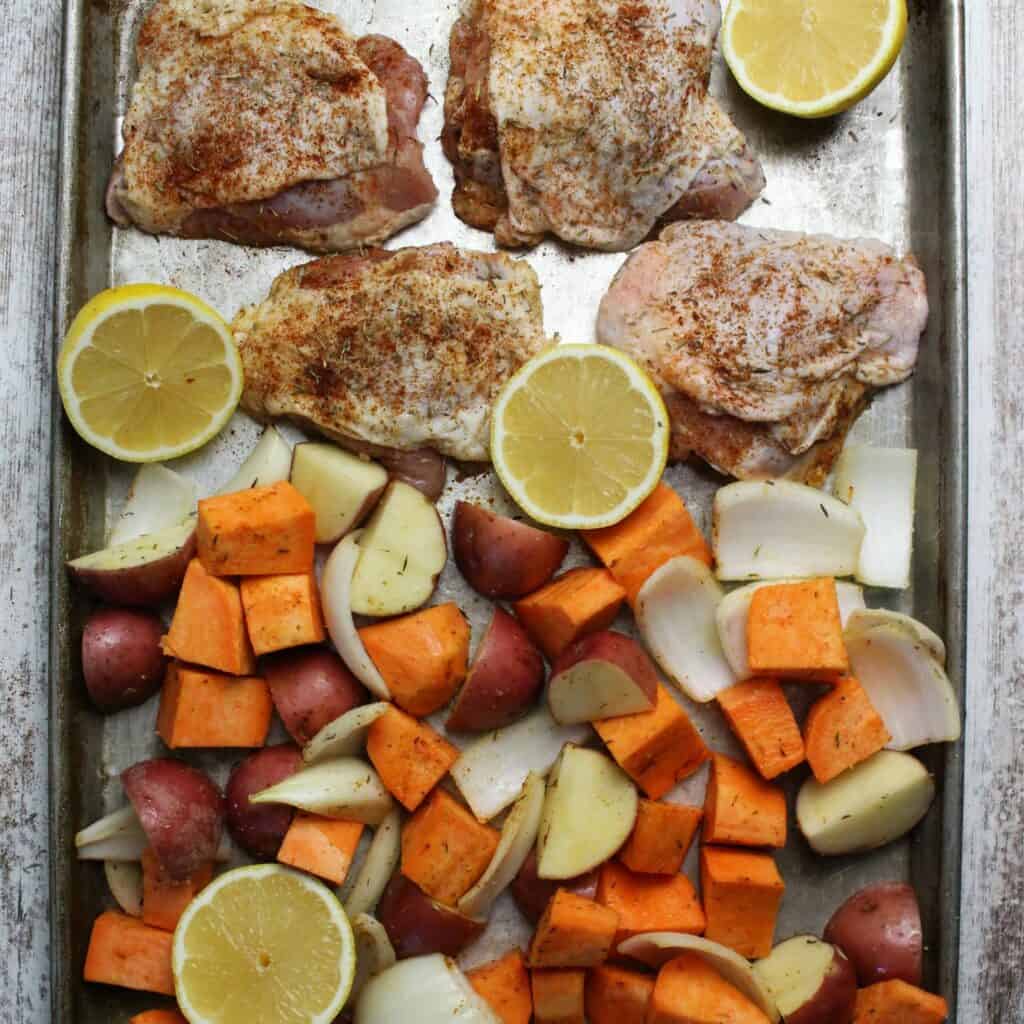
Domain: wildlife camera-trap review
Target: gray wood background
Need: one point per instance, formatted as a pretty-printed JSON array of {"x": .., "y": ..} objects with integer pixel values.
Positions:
[{"x": 992, "y": 955}]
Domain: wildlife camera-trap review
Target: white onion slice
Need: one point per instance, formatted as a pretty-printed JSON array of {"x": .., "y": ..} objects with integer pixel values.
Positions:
[
  {"x": 782, "y": 530},
  {"x": 374, "y": 952},
  {"x": 676, "y": 614},
  {"x": 122, "y": 822},
  {"x": 425, "y": 989},
  {"x": 345, "y": 736},
  {"x": 376, "y": 870},
  {"x": 124, "y": 879},
  {"x": 518, "y": 834},
  {"x": 658, "y": 948},
  {"x": 879, "y": 483},
  {"x": 346, "y": 788},
  {"x": 336, "y": 599},
  {"x": 269, "y": 462},
  {"x": 492, "y": 771},
  {"x": 868, "y": 618},
  {"x": 158, "y": 498},
  {"x": 906, "y": 683}
]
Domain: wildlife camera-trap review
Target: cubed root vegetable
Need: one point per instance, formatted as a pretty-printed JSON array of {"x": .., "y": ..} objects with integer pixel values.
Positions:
[
  {"x": 206, "y": 709},
  {"x": 422, "y": 657},
  {"x": 558, "y": 995},
  {"x": 505, "y": 985},
  {"x": 661, "y": 837},
  {"x": 158, "y": 1017},
  {"x": 445, "y": 849},
  {"x": 760, "y": 716},
  {"x": 742, "y": 893},
  {"x": 324, "y": 847},
  {"x": 261, "y": 531},
  {"x": 282, "y": 611},
  {"x": 649, "y": 903},
  {"x": 613, "y": 995},
  {"x": 163, "y": 899},
  {"x": 842, "y": 729},
  {"x": 659, "y": 529},
  {"x": 130, "y": 954},
  {"x": 690, "y": 991},
  {"x": 409, "y": 756},
  {"x": 573, "y": 932},
  {"x": 208, "y": 627},
  {"x": 742, "y": 809},
  {"x": 896, "y": 1002}
]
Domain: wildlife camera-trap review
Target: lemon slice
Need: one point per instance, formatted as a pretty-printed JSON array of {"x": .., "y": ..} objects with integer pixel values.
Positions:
[
  {"x": 263, "y": 944},
  {"x": 579, "y": 436},
  {"x": 812, "y": 58},
  {"x": 148, "y": 372}
]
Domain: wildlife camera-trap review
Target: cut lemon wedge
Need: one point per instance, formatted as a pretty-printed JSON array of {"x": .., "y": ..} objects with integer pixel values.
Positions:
[
  {"x": 812, "y": 58},
  {"x": 579, "y": 436},
  {"x": 148, "y": 372},
  {"x": 264, "y": 944}
]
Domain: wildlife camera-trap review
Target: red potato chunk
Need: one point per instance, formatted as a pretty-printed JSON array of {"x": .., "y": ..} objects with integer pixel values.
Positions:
[
  {"x": 260, "y": 828},
  {"x": 418, "y": 925},
  {"x": 122, "y": 661}
]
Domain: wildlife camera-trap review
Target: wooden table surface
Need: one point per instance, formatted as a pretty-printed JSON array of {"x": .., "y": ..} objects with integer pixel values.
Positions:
[{"x": 992, "y": 950}]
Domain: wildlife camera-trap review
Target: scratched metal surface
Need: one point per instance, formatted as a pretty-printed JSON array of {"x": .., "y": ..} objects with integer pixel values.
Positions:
[{"x": 890, "y": 168}]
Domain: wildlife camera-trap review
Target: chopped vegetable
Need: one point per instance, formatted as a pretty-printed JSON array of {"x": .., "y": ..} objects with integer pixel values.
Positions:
[
  {"x": 763, "y": 721},
  {"x": 572, "y": 932},
  {"x": 163, "y": 899},
  {"x": 378, "y": 866},
  {"x": 649, "y": 903},
  {"x": 742, "y": 893},
  {"x": 742, "y": 809},
  {"x": 345, "y": 788},
  {"x": 269, "y": 462},
  {"x": 614, "y": 995},
  {"x": 346, "y": 736},
  {"x": 158, "y": 1017},
  {"x": 158, "y": 499},
  {"x": 896, "y": 1002},
  {"x": 660, "y": 838},
  {"x": 374, "y": 952},
  {"x": 282, "y": 611},
  {"x": 124, "y": 879},
  {"x": 842, "y": 729},
  {"x": 505, "y": 985},
  {"x": 690, "y": 991},
  {"x": 558, "y": 995},
  {"x": 322, "y": 846},
  {"x": 130, "y": 954}
]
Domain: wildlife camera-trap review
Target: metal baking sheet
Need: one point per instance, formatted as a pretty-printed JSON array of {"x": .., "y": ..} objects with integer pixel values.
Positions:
[{"x": 891, "y": 168}]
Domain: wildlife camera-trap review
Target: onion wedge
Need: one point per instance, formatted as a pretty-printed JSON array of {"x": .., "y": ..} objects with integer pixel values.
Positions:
[
  {"x": 492, "y": 770},
  {"x": 518, "y": 835},
  {"x": 675, "y": 611},
  {"x": 345, "y": 736},
  {"x": 345, "y": 788},
  {"x": 124, "y": 879},
  {"x": 868, "y": 618},
  {"x": 782, "y": 530},
  {"x": 377, "y": 868},
  {"x": 269, "y": 462},
  {"x": 336, "y": 598},
  {"x": 374, "y": 952},
  {"x": 657, "y": 948},
  {"x": 159, "y": 498}
]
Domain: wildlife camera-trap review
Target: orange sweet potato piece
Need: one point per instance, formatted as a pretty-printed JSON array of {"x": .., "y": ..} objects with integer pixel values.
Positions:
[
  {"x": 126, "y": 952},
  {"x": 794, "y": 630},
  {"x": 760, "y": 716},
  {"x": 649, "y": 903},
  {"x": 578, "y": 602},
  {"x": 741, "y": 808},
  {"x": 158, "y": 1017},
  {"x": 199, "y": 708},
  {"x": 613, "y": 995},
  {"x": 690, "y": 991},
  {"x": 208, "y": 627},
  {"x": 259, "y": 532},
  {"x": 505, "y": 985},
  {"x": 558, "y": 995},
  {"x": 422, "y": 656},
  {"x": 324, "y": 847},
  {"x": 572, "y": 932},
  {"x": 742, "y": 893},
  {"x": 282, "y": 611},
  {"x": 163, "y": 899},
  {"x": 656, "y": 748},
  {"x": 660, "y": 528},
  {"x": 842, "y": 729},
  {"x": 445, "y": 849},
  {"x": 410, "y": 758},
  {"x": 897, "y": 1002},
  {"x": 660, "y": 838}
]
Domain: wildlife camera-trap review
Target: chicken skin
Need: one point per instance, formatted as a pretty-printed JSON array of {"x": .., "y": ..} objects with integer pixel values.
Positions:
[
  {"x": 766, "y": 344},
  {"x": 264, "y": 122},
  {"x": 590, "y": 120}
]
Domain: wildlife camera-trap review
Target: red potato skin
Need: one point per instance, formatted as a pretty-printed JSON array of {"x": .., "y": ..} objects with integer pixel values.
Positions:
[
  {"x": 502, "y": 557},
  {"x": 181, "y": 812},
  {"x": 617, "y": 649},
  {"x": 533, "y": 893},
  {"x": 122, "y": 661},
  {"x": 259, "y": 828},
  {"x": 879, "y": 930},
  {"x": 835, "y": 1000},
  {"x": 418, "y": 925},
  {"x": 504, "y": 680},
  {"x": 310, "y": 687}
]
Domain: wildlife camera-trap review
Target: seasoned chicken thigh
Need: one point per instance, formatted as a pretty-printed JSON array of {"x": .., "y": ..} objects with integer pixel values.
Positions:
[
  {"x": 264, "y": 122},
  {"x": 766, "y": 344},
  {"x": 590, "y": 120}
]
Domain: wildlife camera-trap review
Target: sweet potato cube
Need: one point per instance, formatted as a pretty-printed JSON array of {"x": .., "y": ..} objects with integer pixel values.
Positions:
[
  {"x": 660, "y": 838},
  {"x": 659, "y": 529},
  {"x": 614, "y": 995},
  {"x": 742, "y": 893},
  {"x": 445, "y": 849},
  {"x": 324, "y": 847},
  {"x": 649, "y": 903},
  {"x": 690, "y": 991},
  {"x": 422, "y": 656},
  {"x": 656, "y": 748},
  {"x": 505, "y": 985},
  {"x": 126, "y": 952},
  {"x": 410, "y": 758},
  {"x": 282, "y": 611},
  {"x": 259, "y": 532},
  {"x": 208, "y": 627},
  {"x": 578, "y": 602},
  {"x": 760, "y": 716},
  {"x": 794, "y": 630},
  {"x": 572, "y": 932},
  {"x": 558, "y": 995},
  {"x": 842, "y": 729},
  {"x": 199, "y": 708},
  {"x": 741, "y": 808},
  {"x": 163, "y": 899},
  {"x": 158, "y": 1017},
  {"x": 897, "y": 1002}
]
